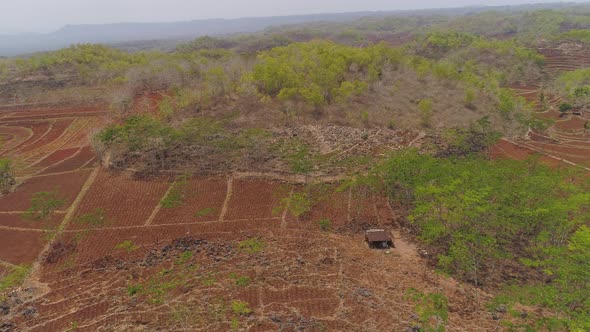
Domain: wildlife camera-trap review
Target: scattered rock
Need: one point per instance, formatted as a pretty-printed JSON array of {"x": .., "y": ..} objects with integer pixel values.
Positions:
[
  {"x": 4, "y": 309},
  {"x": 30, "y": 312}
]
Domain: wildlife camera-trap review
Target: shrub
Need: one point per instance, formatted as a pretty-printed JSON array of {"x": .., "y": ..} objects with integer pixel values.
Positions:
[
  {"x": 14, "y": 278},
  {"x": 127, "y": 245},
  {"x": 184, "y": 258},
  {"x": 240, "y": 281},
  {"x": 325, "y": 225},
  {"x": 425, "y": 107},
  {"x": 43, "y": 205},
  {"x": 240, "y": 308},
  {"x": 565, "y": 107},
  {"x": 204, "y": 212},
  {"x": 297, "y": 204},
  {"x": 6, "y": 174},
  {"x": 251, "y": 246},
  {"x": 134, "y": 289}
]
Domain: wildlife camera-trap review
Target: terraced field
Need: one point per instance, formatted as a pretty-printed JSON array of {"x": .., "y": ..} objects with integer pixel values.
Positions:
[
  {"x": 38, "y": 140},
  {"x": 114, "y": 258},
  {"x": 42, "y": 142},
  {"x": 565, "y": 57},
  {"x": 567, "y": 139}
]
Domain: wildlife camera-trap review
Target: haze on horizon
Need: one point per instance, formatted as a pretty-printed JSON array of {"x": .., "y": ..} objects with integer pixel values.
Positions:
[{"x": 42, "y": 16}]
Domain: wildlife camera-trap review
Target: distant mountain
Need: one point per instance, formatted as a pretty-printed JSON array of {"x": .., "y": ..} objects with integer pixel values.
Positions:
[{"x": 11, "y": 45}]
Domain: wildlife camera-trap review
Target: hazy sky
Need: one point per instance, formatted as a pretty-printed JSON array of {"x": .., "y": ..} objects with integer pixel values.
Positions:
[{"x": 48, "y": 15}]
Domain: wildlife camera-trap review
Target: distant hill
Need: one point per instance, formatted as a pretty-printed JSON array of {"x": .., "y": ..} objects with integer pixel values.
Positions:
[
  {"x": 11, "y": 45},
  {"x": 116, "y": 33}
]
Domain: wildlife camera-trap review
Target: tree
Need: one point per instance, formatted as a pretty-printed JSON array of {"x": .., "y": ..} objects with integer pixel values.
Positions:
[
  {"x": 425, "y": 107},
  {"x": 6, "y": 175},
  {"x": 43, "y": 205},
  {"x": 565, "y": 107}
]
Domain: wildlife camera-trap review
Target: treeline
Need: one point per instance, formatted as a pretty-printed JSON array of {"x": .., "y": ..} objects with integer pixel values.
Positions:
[{"x": 480, "y": 217}]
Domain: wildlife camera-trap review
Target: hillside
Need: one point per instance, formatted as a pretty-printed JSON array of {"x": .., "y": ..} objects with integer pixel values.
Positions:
[{"x": 227, "y": 183}]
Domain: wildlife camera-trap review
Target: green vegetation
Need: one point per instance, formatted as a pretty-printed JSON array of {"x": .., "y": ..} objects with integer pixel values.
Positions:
[
  {"x": 91, "y": 62},
  {"x": 14, "y": 278},
  {"x": 157, "y": 287},
  {"x": 6, "y": 174},
  {"x": 425, "y": 107},
  {"x": 298, "y": 156},
  {"x": 184, "y": 258},
  {"x": 574, "y": 86},
  {"x": 240, "y": 281},
  {"x": 134, "y": 289},
  {"x": 251, "y": 246},
  {"x": 325, "y": 225},
  {"x": 462, "y": 209},
  {"x": 204, "y": 212},
  {"x": 43, "y": 205},
  {"x": 565, "y": 107},
  {"x": 296, "y": 203},
  {"x": 240, "y": 308},
  {"x": 579, "y": 35},
  {"x": 127, "y": 245},
  {"x": 177, "y": 193},
  {"x": 92, "y": 219},
  {"x": 316, "y": 72},
  {"x": 432, "y": 309}
]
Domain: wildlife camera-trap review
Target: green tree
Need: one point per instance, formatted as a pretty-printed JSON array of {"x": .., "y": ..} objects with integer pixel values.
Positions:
[
  {"x": 43, "y": 205},
  {"x": 425, "y": 108},
  {"x": 6, "y": 175}
]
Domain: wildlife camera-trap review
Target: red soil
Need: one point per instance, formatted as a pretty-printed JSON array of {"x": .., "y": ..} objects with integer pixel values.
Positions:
[
  {"x": 57, "y": 130},
  {"x": 39, "y": 129},
  {"x": 82, "y": 158},
  {"x": 508, "y": 149},
  {"x": 57, "y": 157},
  {"x": 201, "y": 195},
  {"x": 68, "y": 187},
  {"x": 17, "y": 136},
  {"x": 101, "y": 242},
  {"x": 16, "y": 220},
  {"x": 55, "y": 113},
  {"x": 254, "y": 199},
  {"x": 82, "y": 137},
  {"x": 572, "y": 124},
  {"x": 21, "y": 247},
  {"x": 334, "y": 208},
  {"x": 126, "y": 201}
]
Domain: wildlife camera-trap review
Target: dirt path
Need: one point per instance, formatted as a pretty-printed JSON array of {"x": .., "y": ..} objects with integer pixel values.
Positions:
[
  {"x": 159, "y": 206},
  {"x": 284, "y": 215},
  {"x": 33, "y": 279},
  {"x": 230, "y": 183}
]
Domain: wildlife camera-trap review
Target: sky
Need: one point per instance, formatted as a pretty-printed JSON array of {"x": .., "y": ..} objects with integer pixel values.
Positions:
[{"x": 19, "y": 16}]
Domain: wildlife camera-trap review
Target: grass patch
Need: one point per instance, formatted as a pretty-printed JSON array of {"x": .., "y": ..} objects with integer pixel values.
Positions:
[
  {"x": 251, "y": 246},
  {"x": 204, "y": 212},
  {"x": 325, "y": 225},
  {"x": 184, "y": 258},
  {"x": 240, "y": 308},
  {"x": 14, "y": 278},
  {"x": 127, "y": 245},
  {"x": 134, "y": 289},
  {"x": 240, "y": 281}
]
